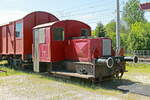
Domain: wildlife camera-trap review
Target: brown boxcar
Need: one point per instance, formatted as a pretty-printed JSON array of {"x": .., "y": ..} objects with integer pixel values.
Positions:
[{"x": 17, "y": 37}]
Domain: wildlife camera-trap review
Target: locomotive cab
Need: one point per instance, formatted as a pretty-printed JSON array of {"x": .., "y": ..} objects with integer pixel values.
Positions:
[{"x": 51, "y": 40}]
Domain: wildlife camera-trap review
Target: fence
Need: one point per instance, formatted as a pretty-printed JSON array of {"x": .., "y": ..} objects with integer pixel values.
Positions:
[
  {"x": 140, "y": 53},
  {"x": 143, "y": 55}
]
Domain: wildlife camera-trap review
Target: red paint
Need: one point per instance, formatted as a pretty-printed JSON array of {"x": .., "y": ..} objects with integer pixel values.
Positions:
[
  {"x": 0, "y": 39},
  {"x": 11, "y": 38},
  {"x": 44, "y": 52},
  {"x": 4, "y": 48},
  {"x": 84, "y": 49}
]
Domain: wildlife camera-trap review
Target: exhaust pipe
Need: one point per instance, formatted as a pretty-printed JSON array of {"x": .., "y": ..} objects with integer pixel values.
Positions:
[
  {"x": 131, "y": 59},
  {"x": 108, "y": 62}
]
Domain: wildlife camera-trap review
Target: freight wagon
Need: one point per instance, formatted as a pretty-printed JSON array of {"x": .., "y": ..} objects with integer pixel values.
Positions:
[{"x": 16, "y": 36}]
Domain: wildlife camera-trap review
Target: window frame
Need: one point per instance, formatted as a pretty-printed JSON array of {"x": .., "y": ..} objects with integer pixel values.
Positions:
[
  {"x": 42, "y": 35},
  {"x": 87, "y": 30},
  {"x": 19, "y": 29},
  {"x": 63, "y": 34}
]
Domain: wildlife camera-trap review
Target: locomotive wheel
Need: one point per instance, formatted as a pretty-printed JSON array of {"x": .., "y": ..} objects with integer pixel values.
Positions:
[{"x": 119, "y": 75}]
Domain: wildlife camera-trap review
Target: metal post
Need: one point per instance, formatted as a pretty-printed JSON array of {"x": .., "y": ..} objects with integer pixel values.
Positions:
[{"x": 117, "y": 27}]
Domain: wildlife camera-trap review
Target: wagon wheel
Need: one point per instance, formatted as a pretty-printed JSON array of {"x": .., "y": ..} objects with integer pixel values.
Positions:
[
  {"x": 119, "y": 74},
  {"x": 17, "y": 64}
]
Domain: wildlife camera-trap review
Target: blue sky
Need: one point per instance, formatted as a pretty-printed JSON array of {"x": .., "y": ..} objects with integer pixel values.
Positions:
[{"x": 89, "y": 11}]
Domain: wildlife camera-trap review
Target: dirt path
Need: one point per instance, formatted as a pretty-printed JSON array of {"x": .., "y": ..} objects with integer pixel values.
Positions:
[{"x": 28, "y": 87}]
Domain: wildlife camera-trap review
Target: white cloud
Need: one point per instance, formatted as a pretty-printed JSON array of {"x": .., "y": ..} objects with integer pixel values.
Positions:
[{"x": 7, "y": 15}]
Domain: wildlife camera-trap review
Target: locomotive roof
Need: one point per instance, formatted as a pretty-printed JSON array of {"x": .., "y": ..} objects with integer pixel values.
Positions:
[
  {"x": 52, "y": 23},
  {"x": 45, "y": 25}
]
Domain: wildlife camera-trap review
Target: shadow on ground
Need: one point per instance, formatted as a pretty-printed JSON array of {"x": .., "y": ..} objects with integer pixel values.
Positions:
[{"x": 116, "y": 84}]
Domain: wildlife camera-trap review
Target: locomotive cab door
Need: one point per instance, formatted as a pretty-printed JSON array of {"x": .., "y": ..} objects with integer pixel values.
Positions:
[{"x": 58, "y": 44}]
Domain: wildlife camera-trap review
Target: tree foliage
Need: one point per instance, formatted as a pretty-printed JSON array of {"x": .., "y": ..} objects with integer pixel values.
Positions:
[
  {"x": 132, "y": 13},
  {"x": 139, "y": 37},
  {"x": 111, "y": 33},
  {"x": 134, "y": 29},
  {"x": 100, "y": 30},
  {"x": 111, "y": 27}
]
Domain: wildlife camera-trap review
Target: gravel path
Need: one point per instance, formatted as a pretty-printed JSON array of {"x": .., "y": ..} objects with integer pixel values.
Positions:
[{"x": 28, "y": 87}]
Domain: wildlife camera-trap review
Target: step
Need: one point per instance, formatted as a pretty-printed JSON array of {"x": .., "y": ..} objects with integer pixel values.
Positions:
[{"x": 73, "y": 74}]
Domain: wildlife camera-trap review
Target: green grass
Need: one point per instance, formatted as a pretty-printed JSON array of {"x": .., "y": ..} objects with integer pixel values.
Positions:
[
  {"x": 9, "y": 72},
  {"x": 139, "y": 68}
]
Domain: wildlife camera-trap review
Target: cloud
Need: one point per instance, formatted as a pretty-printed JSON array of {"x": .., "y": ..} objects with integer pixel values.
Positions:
[{"x": 7, "y": 15}]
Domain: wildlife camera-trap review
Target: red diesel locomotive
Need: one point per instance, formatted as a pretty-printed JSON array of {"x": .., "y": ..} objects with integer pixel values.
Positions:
[{"x": 60, "y": 47}]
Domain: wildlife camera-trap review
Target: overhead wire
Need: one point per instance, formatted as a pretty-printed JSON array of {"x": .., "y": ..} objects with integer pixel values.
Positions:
[
  {"x": 89, "y": 4},
  {"x": 82, "y": 11}
]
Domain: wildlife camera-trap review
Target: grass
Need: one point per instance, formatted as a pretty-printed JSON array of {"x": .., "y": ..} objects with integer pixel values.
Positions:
[
  {"x": 141, "y": 68},
  {"x": 10, "y": 72}
]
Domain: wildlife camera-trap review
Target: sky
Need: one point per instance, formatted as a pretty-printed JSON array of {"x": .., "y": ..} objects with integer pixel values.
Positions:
[{"x": 88, "y": 11}]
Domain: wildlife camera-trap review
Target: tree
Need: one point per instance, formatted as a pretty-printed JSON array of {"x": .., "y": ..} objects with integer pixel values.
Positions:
[
  {"x": 111, "y": 33},
  {"x": 132, "y": 13},
  {"x": 139, "y": 37},
  {"x": 111, "y": 27},
  {"x": 100, "y": 30}
]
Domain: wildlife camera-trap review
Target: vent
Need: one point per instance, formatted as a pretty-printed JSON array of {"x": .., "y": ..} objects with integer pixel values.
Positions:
[{"x": 106, "y": 47}]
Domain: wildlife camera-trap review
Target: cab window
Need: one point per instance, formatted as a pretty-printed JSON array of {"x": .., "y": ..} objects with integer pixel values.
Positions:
[
  {"x": 58, "y": 34},
  {"x": 85, "y": 32},
  {"x": 19, "y": 30},
  {"x": 41, "y": 35}
]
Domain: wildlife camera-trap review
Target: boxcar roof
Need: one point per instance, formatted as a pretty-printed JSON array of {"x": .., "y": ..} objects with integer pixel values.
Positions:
[{"x": 3, "y": 24}]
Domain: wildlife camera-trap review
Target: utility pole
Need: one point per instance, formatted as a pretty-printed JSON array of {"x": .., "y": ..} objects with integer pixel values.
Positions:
[{"x": 117, "y": 27}]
